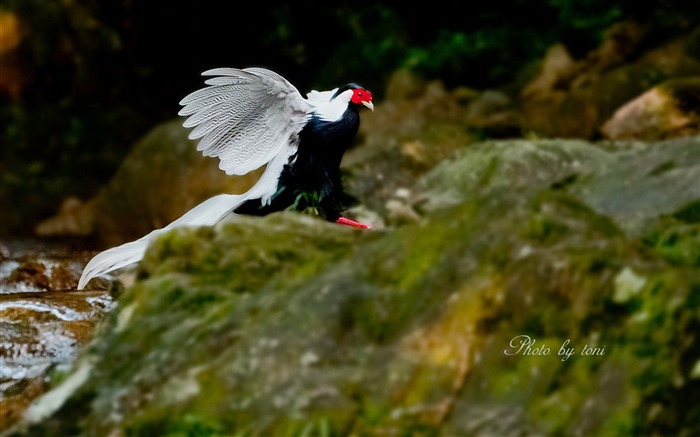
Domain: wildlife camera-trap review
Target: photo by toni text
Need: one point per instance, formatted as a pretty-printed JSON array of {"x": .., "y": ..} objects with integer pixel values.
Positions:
[{"x": 527, "y": 346}]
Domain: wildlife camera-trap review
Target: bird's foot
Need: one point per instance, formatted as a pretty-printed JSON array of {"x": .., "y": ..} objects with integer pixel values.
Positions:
[{"x": 353, "y": 223}]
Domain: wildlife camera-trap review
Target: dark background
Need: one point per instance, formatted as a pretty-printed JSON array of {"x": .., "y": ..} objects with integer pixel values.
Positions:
[{"x": 89, "y": 77}]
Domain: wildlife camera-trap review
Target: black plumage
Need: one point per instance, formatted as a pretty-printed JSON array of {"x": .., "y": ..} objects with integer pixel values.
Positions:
[{"x": 311, "y": 178}]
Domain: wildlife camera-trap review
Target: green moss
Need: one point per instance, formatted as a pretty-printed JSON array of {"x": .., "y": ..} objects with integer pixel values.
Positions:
[
  {"x": 676, "y": 241},
  {"x": 284, "y": 325},
  {"x": 188, "y": 425},
  {"x": 689, "y": 213}
]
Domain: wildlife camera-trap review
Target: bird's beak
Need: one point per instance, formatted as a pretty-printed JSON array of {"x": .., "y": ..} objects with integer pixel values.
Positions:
[{"x": 370, "y": 105}]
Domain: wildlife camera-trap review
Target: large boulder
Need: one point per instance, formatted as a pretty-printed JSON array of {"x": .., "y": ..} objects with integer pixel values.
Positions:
[
  {"x": 634, "y": 184},
  {"x": 522, "y": 301}
]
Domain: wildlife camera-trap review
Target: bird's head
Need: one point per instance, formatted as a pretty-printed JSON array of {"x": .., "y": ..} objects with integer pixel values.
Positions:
[{"x": 356, "y": 95}]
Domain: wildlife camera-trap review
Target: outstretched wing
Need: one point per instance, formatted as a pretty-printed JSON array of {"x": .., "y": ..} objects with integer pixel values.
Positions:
[{"x": 246, "y": 118}]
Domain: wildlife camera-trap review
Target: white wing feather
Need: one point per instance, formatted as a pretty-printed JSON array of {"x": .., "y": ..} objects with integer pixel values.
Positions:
[{"x": 247, "y": 118}]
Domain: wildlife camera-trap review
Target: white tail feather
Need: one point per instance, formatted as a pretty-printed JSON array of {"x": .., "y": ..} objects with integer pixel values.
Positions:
[{"x": 207, "y": 213}]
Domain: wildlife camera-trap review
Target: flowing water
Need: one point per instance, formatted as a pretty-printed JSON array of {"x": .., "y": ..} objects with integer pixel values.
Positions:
[{"x": 44, "y": 320}]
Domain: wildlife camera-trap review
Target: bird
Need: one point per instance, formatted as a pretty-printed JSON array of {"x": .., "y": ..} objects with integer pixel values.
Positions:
[{"x": 253, "y": 117}]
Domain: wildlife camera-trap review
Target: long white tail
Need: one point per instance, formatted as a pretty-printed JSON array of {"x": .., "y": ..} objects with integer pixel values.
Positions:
[{"x": 207, "y": 213}]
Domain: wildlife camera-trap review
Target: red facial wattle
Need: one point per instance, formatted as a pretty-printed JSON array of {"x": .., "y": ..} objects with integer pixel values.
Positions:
[{"x": 360, "y": 96}]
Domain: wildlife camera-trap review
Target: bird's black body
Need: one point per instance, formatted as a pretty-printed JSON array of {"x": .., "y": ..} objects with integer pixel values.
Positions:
[{"x": 312, "y": 176}]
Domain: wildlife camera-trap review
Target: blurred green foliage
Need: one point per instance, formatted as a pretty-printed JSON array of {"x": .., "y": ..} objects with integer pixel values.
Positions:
[{"x": 487, "y": 44}]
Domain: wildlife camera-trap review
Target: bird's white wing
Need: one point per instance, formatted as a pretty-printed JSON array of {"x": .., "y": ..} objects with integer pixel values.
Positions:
[{"x": 245, "y": 117}]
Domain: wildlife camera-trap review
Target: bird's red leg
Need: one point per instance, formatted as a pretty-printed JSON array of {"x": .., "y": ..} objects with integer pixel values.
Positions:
[{"x": 353, "y": 223}]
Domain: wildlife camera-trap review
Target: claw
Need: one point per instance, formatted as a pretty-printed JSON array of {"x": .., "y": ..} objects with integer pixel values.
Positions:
[{"x": 353, "y": 223}]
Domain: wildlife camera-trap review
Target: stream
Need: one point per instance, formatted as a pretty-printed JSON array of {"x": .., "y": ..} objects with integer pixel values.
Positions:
[{"x": 44, "y": 320}]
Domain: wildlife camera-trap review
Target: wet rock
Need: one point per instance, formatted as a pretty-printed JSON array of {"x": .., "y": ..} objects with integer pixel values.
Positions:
[
  {"x": 668, "y": 110},
  {"x": 32, "y": 273},
  {"x": 41, "y": 268},
  {"x": 452, "y": 324},
  {"x": 42, "y": 332},
  {"x": 43, "y": 323}
]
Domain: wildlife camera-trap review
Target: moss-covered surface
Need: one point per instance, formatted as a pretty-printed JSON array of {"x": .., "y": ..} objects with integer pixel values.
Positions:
[{"x": 288, "y": 326}]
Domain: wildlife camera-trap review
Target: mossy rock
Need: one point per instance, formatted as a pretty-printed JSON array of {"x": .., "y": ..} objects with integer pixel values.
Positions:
[
  {"x": 286, "y": 325},
  {"x": 635, "y": 184}
]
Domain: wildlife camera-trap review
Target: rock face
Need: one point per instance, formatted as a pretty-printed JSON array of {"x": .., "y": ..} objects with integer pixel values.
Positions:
[{"x": 525, "y": 299}]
